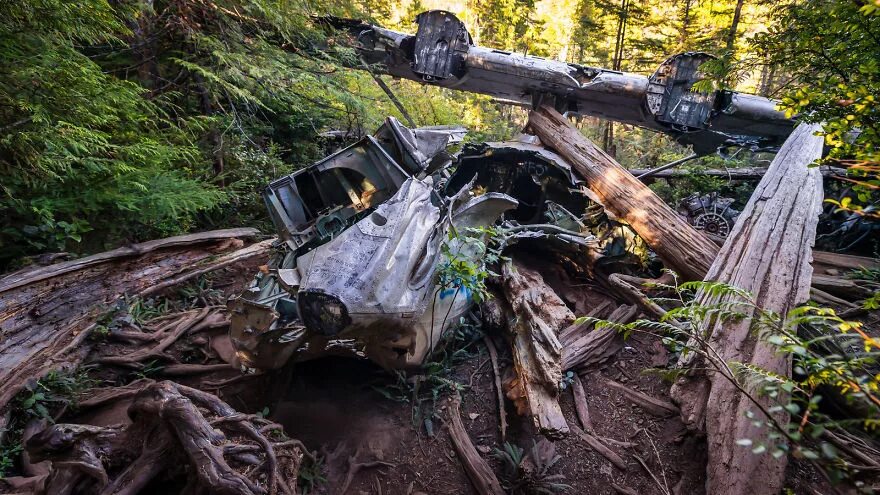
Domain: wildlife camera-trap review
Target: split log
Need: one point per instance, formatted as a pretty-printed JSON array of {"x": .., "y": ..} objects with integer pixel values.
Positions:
[
  {"x": 843, "y": 287},
  {"x": 768, "y": 254},
  {"x": 680, "y": 246},
  {"x": 476, "y": 467},
  {"x": 537, "y": 352},
  {"x": 46, "y": 313},
  {"x": 499, "y": 389},
  {"x": 585, "y": 347}
]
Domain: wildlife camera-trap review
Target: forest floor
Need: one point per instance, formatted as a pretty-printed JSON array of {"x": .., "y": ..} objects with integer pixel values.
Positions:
[
  {"x": 363, "y": 430},
  {"x": 373, "y": 432}
]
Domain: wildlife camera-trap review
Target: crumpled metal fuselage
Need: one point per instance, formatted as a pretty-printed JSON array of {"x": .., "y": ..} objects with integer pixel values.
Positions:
[
  {"x": 363, "y": 234},
  {"x": 357, "y": 277}
]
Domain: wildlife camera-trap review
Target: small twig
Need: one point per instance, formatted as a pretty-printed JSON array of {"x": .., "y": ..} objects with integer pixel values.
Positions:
[
  {"x": 653, "y": 477},
  {"x": 476, "y": 371},
  {"x": 601, "y": 448},
  {"x": 623, "y": 490},
  {"x": 659, "y": 461},
  {"x": 502, "y": 413}
]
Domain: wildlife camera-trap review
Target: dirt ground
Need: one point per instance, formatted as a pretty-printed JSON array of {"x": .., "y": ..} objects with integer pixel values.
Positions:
[
  {"x": 340, "y": 408},
  {"x": 335, "y": 407},
  {"x": 333, "y": 404}
]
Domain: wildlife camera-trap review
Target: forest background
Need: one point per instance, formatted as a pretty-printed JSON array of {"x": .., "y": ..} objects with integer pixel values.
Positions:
[{"x": 122, "y": 121}]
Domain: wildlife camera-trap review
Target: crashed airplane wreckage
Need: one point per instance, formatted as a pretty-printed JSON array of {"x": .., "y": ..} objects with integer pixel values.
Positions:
[
  {"x": 442, "y": 53},
  {"x": 361, "y": 231},
  {"x": 361, "y": 237}
]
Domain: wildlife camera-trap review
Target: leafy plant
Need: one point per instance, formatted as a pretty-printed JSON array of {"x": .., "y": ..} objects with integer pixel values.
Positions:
[
  {"x": 466, "y": 258},
  {"x": 200, "y": 293},
  {"x": 829, "y": 51},
  {"x": 829, "y": 354},
  {"x": 149, "y": 370},
  {"x": 311, "y": 474},
  {"x": 529, "y": 474},
  {"x": 42, "y": 399}
]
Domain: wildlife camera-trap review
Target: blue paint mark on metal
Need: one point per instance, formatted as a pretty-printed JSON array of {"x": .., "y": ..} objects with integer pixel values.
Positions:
[{"x": 468, "y": 293}]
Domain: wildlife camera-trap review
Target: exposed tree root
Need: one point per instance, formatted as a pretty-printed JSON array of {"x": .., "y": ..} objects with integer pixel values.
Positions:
[
  {"x": 174, "y": 427},
  {"x": 339, "y": 478}
]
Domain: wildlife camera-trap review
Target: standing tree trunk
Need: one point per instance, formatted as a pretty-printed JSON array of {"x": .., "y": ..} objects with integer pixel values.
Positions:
[
  {"x": 680, "y": 246},
  {"x": 734, "y": 25},
  {"x": 768, "y": 254},
  {"x": 616, "y": 61},
  {"x": 685, "y": 24}
]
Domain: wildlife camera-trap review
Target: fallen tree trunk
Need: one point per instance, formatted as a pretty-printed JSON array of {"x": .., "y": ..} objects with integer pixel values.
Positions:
[
  {"x": 741, "y": 173},
  {"x": 768, "y": 254},
  {"x": 46, "y": 313},
  {"x": 537, "y": 352},
  {"x": 584, "y": 346},
  {"x": 680, "y": 246},
  {"x": 476, "y": 467},
  {"x": 835, "y": 263}
]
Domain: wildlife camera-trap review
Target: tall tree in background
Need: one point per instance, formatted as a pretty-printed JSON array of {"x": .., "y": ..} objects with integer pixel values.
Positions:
[
  {"x": 685, "y": 22},
  {"x": 734, "y": 25},
  {"x": 506, "y": 24},
  {"x": 161, "y": 115}
]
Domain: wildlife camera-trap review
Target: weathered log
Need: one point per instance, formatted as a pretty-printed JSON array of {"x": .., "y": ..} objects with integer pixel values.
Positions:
[
  {"x": 768, "y": 253},
  {"x": 680, "y": 246},
  {"x": 537, "y": 352},
  {"x": 584, "y": 347},
  {"x": 29, "y": 276},
  {"x": 823, "y": 261},
  {"x": 843, "y": 287},
  {"x": 46, "y": 313},
  {"x": 581, "y": 408},
  {"x": 476, "y": 467},
  {"x": 740, "y": 173},
  {"x": 499, "y": 389},
  {"x": 651, "y": 405}
]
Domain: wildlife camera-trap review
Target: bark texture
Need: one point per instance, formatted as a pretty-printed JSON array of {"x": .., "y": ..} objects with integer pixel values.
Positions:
[
  {"x": 584, "y": 346},
  {"x": 680, "y": 246},
  {"x": 740, "y": 173},
  {"x": 46, "y": 313},
  {"x": 537, "y": 352},
  {"x": 768, "y": 254},
  {"x": 477, "y": 468},
  {"x": 176, "y": 432}
]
